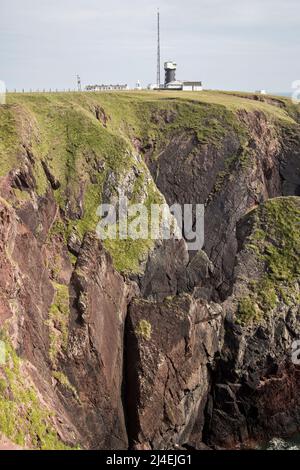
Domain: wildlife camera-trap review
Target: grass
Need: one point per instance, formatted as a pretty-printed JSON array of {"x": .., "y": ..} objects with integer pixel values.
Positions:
[
  {"x": 64, "y": 381},
  {"x": 23, "y": 419},
  {"x": 144, "y": 329},
  {"x": 275, "y": 242},
  {"x": 278, "y": 234},
  {"x": 248, "y": 311},
  {"x": 9, "y": 139},
  {"x": 128, "y": 254},
  {"x": 58, "y": 229},
  {"x": 58, "y": 322}
]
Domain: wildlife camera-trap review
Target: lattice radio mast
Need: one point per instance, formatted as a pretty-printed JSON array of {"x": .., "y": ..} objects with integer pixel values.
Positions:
[
  {"x": 158, "y": 50},
  {"x": 78, "y": 83}
]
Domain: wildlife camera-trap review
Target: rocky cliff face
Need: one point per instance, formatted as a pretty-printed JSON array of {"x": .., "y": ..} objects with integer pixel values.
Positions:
[
  {"x": 140, "y": 343},
  {"x": 169, "y": 349},
  {"x": 255, "y": 391}
]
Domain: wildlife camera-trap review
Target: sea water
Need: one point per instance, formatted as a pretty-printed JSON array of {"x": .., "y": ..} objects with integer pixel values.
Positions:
[{"x": 284, "y": 444}]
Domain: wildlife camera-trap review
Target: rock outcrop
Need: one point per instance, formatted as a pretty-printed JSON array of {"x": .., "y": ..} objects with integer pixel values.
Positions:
[
  {"x": 256, "y": 384},
  {"x": 72, "y": 341},
  {"x": 94, "y": 359},
  {"x": 170, "y": 347},
  {"x": 243, "y": 171},
  {"x": 141, "y": 344}
]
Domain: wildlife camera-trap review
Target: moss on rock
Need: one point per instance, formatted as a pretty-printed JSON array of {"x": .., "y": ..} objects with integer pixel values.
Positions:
[
  {"x": 144, "y": 329},
  {"x": 23, "y": 419},
  {"x": 64, "y": 381},
  {"x": 58, "y": 322},
  {"x": 275, "y": 242}
]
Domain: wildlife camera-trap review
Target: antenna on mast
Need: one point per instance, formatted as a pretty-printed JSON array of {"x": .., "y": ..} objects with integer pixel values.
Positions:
[
  {"x": 158, "y": 50},
  {"x": 78, "y": 83}
]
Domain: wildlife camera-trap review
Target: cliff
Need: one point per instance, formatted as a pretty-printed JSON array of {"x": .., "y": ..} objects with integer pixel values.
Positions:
[{"x": 140, "y": 343}]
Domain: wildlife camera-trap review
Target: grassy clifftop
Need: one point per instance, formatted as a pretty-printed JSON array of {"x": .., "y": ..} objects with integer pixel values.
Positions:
[
  {"x": 90, "y": 145},
  {"x": 58, "y": 119}
]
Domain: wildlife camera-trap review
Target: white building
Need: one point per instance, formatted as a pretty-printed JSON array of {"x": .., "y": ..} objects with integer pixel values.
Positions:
[
  {"x": 261, "y": 92},
  {"x": 106, "y": 87},
  {"x": 192, "y": 86}
]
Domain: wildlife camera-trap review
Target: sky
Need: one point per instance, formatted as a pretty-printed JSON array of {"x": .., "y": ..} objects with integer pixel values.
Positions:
[{"x": 228, "y": 44}]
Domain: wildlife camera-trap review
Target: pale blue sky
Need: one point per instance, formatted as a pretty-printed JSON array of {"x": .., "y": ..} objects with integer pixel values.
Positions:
[{"x": 229, "y": 44}]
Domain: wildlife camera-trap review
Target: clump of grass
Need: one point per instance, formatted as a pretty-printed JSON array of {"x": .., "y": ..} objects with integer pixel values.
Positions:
[
  {"x": 144, "y": 329},
  {"x": 248, "y": 310},
  {"x": 58, "y": 322},
  {"x": 128, "y": 254},
  {"x": 22, "y": 417},
  {"x": 267, "y": 294},
  {"x": 58, "y": 229},
  {"x": 279, "y": 220},
  {"x": 9, "y": 139},
  {"x": 64, "y": 381}
]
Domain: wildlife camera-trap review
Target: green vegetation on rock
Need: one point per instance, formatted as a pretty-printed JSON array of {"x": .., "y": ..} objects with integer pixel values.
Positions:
[
  {"x": 9, "y": 139},
  {"x": 58, "y": 321},
  {"x": 144, "y": 329},
  {"x": 23, "y": 419},
  {"x": 64, "y": 381},
  {"x": 248, "y": 310},
  {"x": 84, "y": 139},
  {"x": 275, "y": 242}
]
